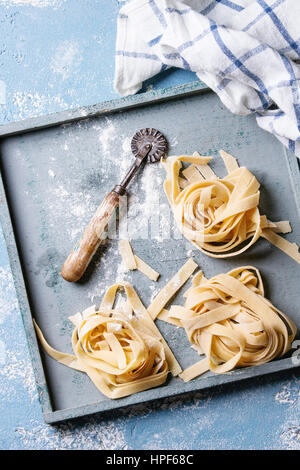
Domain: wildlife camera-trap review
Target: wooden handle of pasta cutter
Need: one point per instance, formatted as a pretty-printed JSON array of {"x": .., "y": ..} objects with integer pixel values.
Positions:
[{"x": 81, "y": 255}]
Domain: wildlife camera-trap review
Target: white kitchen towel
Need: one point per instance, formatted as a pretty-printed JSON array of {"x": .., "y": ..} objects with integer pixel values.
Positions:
[{"x": 247, "y": 51}]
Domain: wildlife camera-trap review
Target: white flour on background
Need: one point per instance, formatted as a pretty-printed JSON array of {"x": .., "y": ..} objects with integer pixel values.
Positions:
[
  {"x": 34, "y": 104},
  {"x": 36, "y": 3},
  {"x": 66, "y": 59},
  {"x": 289, "y": 430},
  {"x": 92, "y": 435}
]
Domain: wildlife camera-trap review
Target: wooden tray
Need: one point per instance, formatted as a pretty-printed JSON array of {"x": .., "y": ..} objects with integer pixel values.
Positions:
[{"x": 55, "y": 171}]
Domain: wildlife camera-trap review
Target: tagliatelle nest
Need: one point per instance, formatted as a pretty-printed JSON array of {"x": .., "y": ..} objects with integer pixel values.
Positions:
[
  {"x": 121, "y": 350},
  {"x": 220, "y": 216},
  {"x": 228, "y": 319}
]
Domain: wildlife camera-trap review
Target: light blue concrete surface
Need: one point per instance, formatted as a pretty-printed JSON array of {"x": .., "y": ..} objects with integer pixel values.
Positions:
[{"x": 54, "y": 55}]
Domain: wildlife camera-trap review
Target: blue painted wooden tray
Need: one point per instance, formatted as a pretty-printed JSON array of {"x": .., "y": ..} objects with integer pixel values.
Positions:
[{"x": 56, "y": 170}]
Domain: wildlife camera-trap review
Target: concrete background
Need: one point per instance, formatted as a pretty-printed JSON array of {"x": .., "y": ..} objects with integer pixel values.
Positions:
[{"x": 56, "y": 55}]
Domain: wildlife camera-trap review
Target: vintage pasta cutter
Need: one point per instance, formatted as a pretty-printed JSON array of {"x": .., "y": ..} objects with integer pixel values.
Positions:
[{"x": 147, "y": 144}]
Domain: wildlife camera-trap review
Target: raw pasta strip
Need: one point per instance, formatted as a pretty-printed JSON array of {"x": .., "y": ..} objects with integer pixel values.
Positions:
[
  {"x": 191, "y": 173},
  {"x": 197, "y": 279},
  {"x": 146, "y": 269},
  {"x": 171, "y": 288},
  {"x": 195, "y": 370},
  {"x": 196, "y": 159},
  {"x": 131, "y": 261},
  {"x": 230, "y": 162},
  {"x": 283, "y": 226},
  {"x": 127, "y": 255},
  {"x": 164, "y": 315},
  {"x": 121, "y": 353},
  {"x": 183, "y": 182},
  {"x": 207, "y": 172},
  {"x": 291, "y": 249},
  {"x": 229, "y": 319},
  {"x": 220, "y": 216}
]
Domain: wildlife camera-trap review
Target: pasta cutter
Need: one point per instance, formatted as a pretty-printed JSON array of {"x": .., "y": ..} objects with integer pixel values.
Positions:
[{"x": 147, "y": 144}]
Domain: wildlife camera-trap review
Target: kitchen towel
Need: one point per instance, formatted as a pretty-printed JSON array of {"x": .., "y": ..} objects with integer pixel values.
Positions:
[{"x": 247, "y": 51}]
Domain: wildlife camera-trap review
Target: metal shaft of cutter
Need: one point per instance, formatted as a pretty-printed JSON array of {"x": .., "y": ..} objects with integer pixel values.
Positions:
[{"x": 133, "y": 169}]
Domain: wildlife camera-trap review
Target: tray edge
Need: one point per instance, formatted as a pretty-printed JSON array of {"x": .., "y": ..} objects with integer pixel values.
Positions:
[{"x": 102, "y": 108}]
